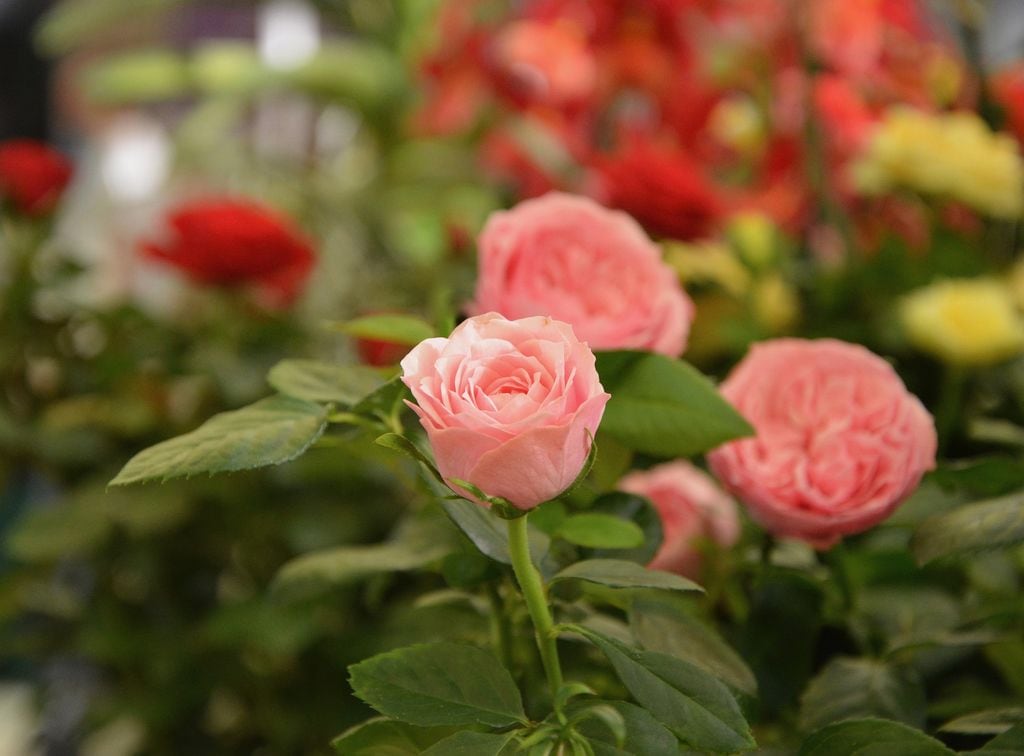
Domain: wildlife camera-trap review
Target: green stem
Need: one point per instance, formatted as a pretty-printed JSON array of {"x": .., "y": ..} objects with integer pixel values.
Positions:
[
  {"x": 951, "y": 393},
  {"x": 499, "y": 628},
  {"x": 532, "y": 586}
]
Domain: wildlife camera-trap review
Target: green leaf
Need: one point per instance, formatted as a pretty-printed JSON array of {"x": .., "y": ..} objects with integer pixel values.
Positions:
[
  {"x": 638, "y": 510},
  {"x": 600, "y": 531},
  {"x": 857, "y": 688},
  {"x": 489, "y": 533},
  {"x": 386, "y": 737},
  {"x": 397, "y": 329},
  {"x": 780, "y": 634},
  {"x": 384, "y": 400},
  {"x": 269, "y": 432},
  {"x": 975, "y": 527},
  {"x": 871, "y": 737},
  {"x": 138, "y": 77},
  {"x": 468, "y": 743},
  {"x": 69, "y": 25},
  {"x": 415, "y": 544},
  {"x": 317, "y": 381},
  {"x": 664, "y": 625},
  {"x": 664, "y": 407},
  {"x": 54, "y": 533},
  {"x": 439, "y": 684},
  {"x": 988, "y": 722},
  {"x": 405, "y": 446},
  {"x": 1011, "y": 741},
  {"x": 618, "y": 573},
  {"x": 645, "y": 735},
  {"x": 691, "y": 703}
]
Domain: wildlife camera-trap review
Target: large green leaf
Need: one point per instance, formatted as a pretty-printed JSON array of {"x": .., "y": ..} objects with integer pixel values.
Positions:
[
  {"x": 439, "y": 684},
  {"x": 663, "y": 625},
  {"x": 857, "y": 688},
  {"x": 416, "y": 543},
  {"x": 600, "y": 531},
  {"x": 871, "y": 737},
  {"x": 691, "y": 703},
  {"x": 269, "y": 432},
  {"x": 386, "y": 737},
  {"x": 317, "y": 381},
  {"x": 664, "y": 407},
  {"x": 975, "y": 527},
  {"x": 618, "y": 573}
]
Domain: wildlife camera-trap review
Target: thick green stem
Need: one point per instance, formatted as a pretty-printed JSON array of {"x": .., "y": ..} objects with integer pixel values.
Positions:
[{"x": 532, "y": 586}]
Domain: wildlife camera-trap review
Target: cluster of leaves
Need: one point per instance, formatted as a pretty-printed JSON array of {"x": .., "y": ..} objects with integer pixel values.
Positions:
[{"x": 851, "y": 649}]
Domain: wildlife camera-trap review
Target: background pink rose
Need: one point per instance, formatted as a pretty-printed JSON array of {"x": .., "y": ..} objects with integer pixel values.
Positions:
[
  {"x": 508, "y": 405},
  {"x": 840, "y": 441},
  {"x": 691, "y": 506},
  {"x": 570, "y": 258}
]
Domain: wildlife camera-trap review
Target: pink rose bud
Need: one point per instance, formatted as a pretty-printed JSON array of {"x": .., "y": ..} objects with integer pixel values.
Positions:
[
  {"x": 572, "y": 259},
  {"x": 508, "y": 405},
  {"x": 840, "y": 441},
  {"x": 692, "y": 508}
]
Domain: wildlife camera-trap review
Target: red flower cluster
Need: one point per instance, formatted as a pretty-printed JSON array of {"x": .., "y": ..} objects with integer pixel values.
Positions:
[
  {"x": 32, "y": 176},
  {"x": 236, "y": 242},
  {"x": 682, "y": 111}
]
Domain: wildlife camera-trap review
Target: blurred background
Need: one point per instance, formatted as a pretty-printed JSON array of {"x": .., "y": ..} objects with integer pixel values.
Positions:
[{"x": 380, "y": 134}]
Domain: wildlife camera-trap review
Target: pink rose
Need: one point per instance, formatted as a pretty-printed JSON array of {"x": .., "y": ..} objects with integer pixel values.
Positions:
[
  {"x": 840, "y": 441},
  {"x": 570, "y": 258},
  {"x": 508, "y": 405},
  {"x": 691, "y": 507}
]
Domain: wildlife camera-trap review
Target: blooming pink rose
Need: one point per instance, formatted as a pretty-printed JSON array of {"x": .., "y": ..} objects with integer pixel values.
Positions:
[
  {"x": 570, "y": 258},
  {"x": 840, "y": 441},
  {"x": 691, "y": 507},
  {"x": 508, "y": 405}
]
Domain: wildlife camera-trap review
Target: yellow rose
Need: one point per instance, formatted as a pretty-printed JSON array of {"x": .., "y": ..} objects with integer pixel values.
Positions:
[
  {"x": 952, "y": 155},
  {"x": 964, "y": 321}
]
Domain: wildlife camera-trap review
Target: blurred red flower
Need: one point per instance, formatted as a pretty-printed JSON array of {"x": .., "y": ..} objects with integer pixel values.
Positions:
[
  {"x": 32, "y": 175},
  {"x": 662, "y": 187},
  {"x": 236, "y": 242}
]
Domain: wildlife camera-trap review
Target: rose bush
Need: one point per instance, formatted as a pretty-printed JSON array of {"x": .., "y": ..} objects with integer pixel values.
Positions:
[
  {"x": 508, "y": 405},
  {"x": 234, "y": 242},
  {"x": 691, "y": 507},
  {"x": 594, "y": 268},
  {"x": 840, "y": 441},
  {"x": 32, "y": 175}
]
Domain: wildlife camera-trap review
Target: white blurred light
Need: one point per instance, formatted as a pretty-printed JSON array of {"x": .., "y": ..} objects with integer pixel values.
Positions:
[
  {"x": 288, "y": 33},
  {"x": 136, "y": 158}
]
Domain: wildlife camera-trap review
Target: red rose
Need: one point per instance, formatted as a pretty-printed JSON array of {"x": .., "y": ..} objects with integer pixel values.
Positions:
[
  {"x": 32, "y": 175},
  {"x": 662, "y": 188},
  {"x": 237, "y": 242}
]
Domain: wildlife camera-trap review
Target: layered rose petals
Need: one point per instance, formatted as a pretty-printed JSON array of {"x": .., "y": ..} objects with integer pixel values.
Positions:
[
  {"x": 508, "y": 405},
  {"x": 570, "y": 258},
  {"x": 692, "y": 508},
  {"x": 840, "y": 441}
]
